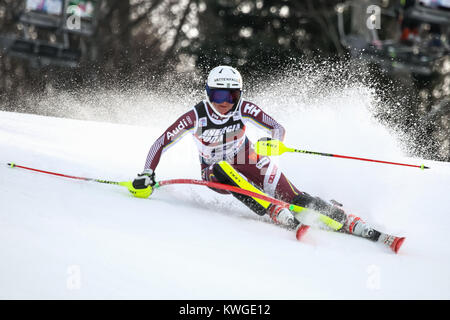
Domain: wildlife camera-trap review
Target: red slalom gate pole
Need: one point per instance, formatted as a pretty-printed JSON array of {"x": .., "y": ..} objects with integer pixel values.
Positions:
[{"x": 221, "y": 186}]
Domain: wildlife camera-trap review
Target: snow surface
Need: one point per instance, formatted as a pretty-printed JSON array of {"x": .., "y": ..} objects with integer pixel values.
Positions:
[{"x": 68, "y": 239}]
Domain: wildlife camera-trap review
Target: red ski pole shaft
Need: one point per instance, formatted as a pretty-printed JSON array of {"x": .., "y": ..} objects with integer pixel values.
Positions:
[
  {"x": 13, "y": 165},
  {"x": 361, "y": 159}
]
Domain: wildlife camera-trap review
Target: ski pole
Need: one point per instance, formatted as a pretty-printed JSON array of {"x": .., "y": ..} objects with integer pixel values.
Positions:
[
  {"x": 276, "y": 148},
  {"x": 335, "y": 225},
  {"x": 124, "y": 183}
]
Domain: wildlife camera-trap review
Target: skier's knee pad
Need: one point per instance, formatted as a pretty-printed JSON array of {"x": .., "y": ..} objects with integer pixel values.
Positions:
[
  {"x": 223, "y": 177},
  {"x": 307, "y": 201}
]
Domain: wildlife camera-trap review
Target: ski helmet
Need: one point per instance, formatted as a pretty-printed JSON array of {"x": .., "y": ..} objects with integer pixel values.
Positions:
[{"x": 224, "y": 84}]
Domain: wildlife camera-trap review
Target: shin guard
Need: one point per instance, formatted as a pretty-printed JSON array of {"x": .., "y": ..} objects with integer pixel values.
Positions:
[{"x": 226, "y": 174}]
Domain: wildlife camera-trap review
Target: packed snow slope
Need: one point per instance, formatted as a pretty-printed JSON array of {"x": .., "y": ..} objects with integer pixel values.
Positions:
[{"x": 69, "y": 239}]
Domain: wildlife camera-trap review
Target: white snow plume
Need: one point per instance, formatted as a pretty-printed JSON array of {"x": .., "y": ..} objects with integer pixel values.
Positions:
[{"x": 138, "y": 103}]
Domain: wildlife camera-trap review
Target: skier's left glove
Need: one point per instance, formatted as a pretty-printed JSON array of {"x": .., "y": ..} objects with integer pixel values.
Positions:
[{"x": 143, "y": 184}]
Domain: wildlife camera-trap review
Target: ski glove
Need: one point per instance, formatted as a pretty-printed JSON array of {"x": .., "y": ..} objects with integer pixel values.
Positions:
[
  {"x": 265, "y": 139},
  {"x": 144, "y": 179},
  {"x": 143, "y": 184}
]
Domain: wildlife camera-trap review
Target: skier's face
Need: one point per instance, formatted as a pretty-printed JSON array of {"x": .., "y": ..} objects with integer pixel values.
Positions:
[{"x": 223, "y": 107}]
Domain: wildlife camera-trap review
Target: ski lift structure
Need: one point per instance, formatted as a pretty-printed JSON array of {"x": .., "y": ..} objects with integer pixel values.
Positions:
[
  {"x": 402, "y": 35},
  {"x": 47, "y": 29}
]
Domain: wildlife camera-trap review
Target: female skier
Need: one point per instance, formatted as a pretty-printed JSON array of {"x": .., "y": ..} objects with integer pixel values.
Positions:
[{"x": 218, "y": 125}]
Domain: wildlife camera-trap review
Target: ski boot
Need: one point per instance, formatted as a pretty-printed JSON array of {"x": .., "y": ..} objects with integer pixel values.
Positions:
[
  {"x": 356, "y": 226},
  {"x": 285, "y": 217}
]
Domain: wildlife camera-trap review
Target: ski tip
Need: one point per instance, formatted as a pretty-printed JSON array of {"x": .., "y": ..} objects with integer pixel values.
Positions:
[
  {"x": 301, "y": 230},
  {"x": 397, "y": 244}
]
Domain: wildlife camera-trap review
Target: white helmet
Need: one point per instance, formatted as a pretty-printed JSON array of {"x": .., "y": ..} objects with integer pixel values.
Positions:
[{"x": 224, "y": 84}]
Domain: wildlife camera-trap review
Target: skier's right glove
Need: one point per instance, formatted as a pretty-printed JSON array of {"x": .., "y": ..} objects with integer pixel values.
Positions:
[{"x": 143, "y": 184}]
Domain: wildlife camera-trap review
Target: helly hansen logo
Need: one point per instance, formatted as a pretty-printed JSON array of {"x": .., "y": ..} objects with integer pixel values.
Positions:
[{"x": 252, "y": 109}]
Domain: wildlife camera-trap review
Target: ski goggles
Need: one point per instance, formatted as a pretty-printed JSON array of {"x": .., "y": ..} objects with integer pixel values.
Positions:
[{"x": 223, "y": 95}]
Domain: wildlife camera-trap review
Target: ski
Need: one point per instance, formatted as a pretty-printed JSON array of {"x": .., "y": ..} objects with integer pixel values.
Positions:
[
  {"x": 385, "y": 240},
  {"x": 393, "y": 242},
  {"x": 354, "y": 226},
  {"x": 369, "y": 233}
]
